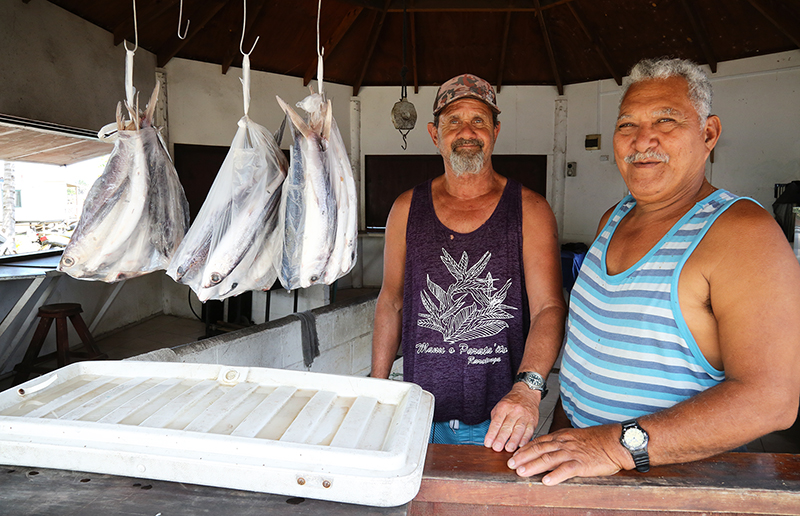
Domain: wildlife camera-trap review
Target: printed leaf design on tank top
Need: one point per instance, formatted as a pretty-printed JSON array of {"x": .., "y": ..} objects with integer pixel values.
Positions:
[{"x": 471, "y": 307}]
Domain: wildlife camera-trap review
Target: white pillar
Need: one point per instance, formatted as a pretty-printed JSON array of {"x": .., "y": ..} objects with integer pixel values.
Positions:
[
  {"x": 357, "y": 274},
  {"x": 557, "y": 182}
]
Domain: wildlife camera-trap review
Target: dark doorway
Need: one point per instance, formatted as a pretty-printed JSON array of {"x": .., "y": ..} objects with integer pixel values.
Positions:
[{"x": 387, "y": 176}]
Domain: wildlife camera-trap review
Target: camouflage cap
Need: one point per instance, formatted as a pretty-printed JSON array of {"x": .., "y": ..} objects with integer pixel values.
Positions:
[{"x": 465, "y": 86}]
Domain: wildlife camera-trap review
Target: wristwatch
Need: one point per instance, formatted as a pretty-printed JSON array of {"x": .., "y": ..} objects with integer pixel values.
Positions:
[
  {"x": 635, "y": 439},
  {"x": 534, "y": 381}
]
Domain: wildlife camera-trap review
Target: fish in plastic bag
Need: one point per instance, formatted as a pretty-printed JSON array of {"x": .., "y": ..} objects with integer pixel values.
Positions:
[
  {"x": 136, "y": 213},
  {"x": 231, "y": 245},
  {"x": 318, "y": 205}
]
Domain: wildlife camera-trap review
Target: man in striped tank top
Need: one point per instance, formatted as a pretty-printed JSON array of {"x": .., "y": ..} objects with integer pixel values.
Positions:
[{"x": 684, "y": 324}]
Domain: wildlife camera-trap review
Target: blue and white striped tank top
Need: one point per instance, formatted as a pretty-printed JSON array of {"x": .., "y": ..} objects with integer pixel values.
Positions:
[{"x": 629, "y": 351}]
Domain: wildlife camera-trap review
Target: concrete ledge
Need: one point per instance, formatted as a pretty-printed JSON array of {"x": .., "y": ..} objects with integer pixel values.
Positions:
[{"x": 344, "y": 331}]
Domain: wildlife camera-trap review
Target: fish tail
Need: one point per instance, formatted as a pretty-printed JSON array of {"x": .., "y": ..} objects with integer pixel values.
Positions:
[
  {"x": 297, "y": 121},
  {"x": 151, "y": 106}
]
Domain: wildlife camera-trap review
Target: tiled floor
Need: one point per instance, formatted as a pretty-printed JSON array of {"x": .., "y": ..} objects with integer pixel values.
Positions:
[{"x": 163, "y": 331}]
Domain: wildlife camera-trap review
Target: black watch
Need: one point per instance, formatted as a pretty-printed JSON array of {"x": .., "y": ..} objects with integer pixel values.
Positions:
[
  {"x": 635, "y": 439},
  {"x": 534, "y": 381}
]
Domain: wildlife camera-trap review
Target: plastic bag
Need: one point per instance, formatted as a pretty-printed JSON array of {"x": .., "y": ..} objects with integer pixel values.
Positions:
[
  {"x": 318, "y": 205},
  {"x": 136, "y": 212},
  {"x": 231, "y": 245}
]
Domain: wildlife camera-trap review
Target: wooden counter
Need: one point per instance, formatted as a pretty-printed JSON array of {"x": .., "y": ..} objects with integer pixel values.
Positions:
[
  {"x": 472, "y": 480},
  {"x": 458, "y": 480}
]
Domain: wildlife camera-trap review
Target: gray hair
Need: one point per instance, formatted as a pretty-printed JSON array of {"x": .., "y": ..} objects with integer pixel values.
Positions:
[{"x": 664, "y": 68}]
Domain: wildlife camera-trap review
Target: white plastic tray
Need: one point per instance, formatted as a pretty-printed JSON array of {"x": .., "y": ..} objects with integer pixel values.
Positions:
[{"x": 339, "y": 438}]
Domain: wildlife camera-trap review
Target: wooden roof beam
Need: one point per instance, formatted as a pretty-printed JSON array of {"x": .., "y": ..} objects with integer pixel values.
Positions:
[
  {"x": 791, "y": 34},
  {"x": 430, "y": 6},
  {"x": 503, "y": 46},
  {"x": 332, "y": 42},
  {"x": 700, "y": 32},
  {"x": 253, "y": 19},
  {"x": 125, "y": 30},
  {"x": 373, "y": 41},
  {"x": 599, "y": 47},
  {"x": 175, "y": 44},
  {"x": 548, "y": 45}
]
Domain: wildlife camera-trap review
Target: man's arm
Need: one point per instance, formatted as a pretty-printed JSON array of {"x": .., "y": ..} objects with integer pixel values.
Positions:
[
  {"x": 389, "y": 308},
  {"x": 753, "y": 285},
  {"x": 515, "y": 417}
]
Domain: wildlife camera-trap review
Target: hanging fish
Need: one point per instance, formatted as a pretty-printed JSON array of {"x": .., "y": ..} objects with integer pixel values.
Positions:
[
  {"x": 308, "y": 205},
  {"x": 136, "y": 212},
  {"x": 231, "y": 245}
]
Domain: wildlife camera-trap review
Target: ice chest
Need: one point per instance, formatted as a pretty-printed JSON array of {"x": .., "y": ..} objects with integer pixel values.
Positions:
[{"x": 339, "y": 438}]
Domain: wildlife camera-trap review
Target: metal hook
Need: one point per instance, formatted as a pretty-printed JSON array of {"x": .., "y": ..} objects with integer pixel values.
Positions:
[
  {"x": 180, "y": 17},
  {"x": 241, "y": 42},
  {"x": 135, "y": 31}
]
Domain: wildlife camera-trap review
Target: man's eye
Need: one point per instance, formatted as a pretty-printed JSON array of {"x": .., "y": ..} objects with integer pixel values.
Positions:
[
  {"x": 665, "y": 120},
  {"x": 624, "y": 125}
]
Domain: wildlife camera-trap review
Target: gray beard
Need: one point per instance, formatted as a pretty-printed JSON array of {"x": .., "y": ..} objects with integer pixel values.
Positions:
[{"x": 463, "y": 162}]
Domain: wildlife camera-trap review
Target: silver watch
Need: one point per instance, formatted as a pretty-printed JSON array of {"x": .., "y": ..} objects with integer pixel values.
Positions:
[
  {"x": 534, "y": 381},
  {"x": 634, "y": 438}
]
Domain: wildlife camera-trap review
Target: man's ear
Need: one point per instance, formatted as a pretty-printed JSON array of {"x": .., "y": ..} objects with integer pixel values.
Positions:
[
  {"x": 434, "y": 132},
  {"x": 712, "y": 131}
]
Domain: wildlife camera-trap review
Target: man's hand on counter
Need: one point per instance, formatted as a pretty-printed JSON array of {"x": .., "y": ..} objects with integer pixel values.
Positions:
[
  {"x": 514, "y": 419},
  {"x": 567, "y": 453}
]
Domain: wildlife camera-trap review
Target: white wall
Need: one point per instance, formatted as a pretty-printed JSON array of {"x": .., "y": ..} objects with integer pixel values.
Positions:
[
  {"x": 59, "y": 68},
  {"x": 758, "y": 101},
  {"x": 205, "y": 105}
]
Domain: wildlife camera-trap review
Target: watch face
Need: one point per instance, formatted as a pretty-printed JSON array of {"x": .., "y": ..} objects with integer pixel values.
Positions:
[
  {"x": 634, "y": 438},
  {"x": 534, "y": 381}
]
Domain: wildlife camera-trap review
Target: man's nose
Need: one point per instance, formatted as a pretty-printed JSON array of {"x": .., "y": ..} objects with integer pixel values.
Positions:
[{"x": 645, "y": 138}]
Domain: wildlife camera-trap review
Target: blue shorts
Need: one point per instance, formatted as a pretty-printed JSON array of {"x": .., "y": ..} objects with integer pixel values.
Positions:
[{"x": 458, "y": 432}]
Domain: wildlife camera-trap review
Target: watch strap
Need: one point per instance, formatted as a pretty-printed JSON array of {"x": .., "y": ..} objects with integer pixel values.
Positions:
[
  {"x": 533, "y": 380},
  {"x": 641, "y": 458}
]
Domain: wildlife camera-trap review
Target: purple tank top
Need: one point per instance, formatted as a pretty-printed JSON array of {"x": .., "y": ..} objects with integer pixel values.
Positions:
[{"x": 465, "y": 308}]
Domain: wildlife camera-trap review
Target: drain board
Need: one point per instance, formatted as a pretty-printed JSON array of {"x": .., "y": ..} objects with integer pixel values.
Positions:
[{"x": 338, "y": 438}]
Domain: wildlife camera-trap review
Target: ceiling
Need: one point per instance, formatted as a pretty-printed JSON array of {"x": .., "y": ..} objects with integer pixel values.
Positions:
[{"x": 508, "y": 42}]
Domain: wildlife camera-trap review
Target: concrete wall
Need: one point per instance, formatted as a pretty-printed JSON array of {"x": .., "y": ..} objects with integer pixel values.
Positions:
[
  {"x": 205, "y": 105},
  {"x": 59, "y": 68},
  {"x": 345, "y": 343}
]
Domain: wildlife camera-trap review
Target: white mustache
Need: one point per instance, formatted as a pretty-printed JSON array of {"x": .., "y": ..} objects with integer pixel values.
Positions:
[{"x": 644, "y": 156}]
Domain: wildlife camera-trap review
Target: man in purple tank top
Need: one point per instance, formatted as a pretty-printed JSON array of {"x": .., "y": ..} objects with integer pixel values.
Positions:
[{"x": 472, "y": 283}]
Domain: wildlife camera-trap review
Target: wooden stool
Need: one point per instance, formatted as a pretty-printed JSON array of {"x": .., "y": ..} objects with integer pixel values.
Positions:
[{"x": 63, "y": 355}]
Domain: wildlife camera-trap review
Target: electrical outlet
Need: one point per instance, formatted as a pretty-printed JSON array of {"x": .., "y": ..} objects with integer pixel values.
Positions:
[{"x": 572, "y": 169}]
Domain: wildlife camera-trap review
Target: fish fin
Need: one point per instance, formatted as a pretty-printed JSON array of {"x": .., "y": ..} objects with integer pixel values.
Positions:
[
  {"x": 279, "y": 132},
  {"x": 326, "y": 126},
  {"x": 120, "y": 121},
  {"x": 297, "y": 121},
  {"x": 151, "y": 106}
]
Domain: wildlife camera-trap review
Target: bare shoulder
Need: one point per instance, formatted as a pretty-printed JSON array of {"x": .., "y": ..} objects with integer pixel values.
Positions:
[
  {"x": 745, "y": 240},
  {"x": 400, "y": 208},
  {"x": 535, "y": 206},
  {"x": 746, "y": 226}
]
